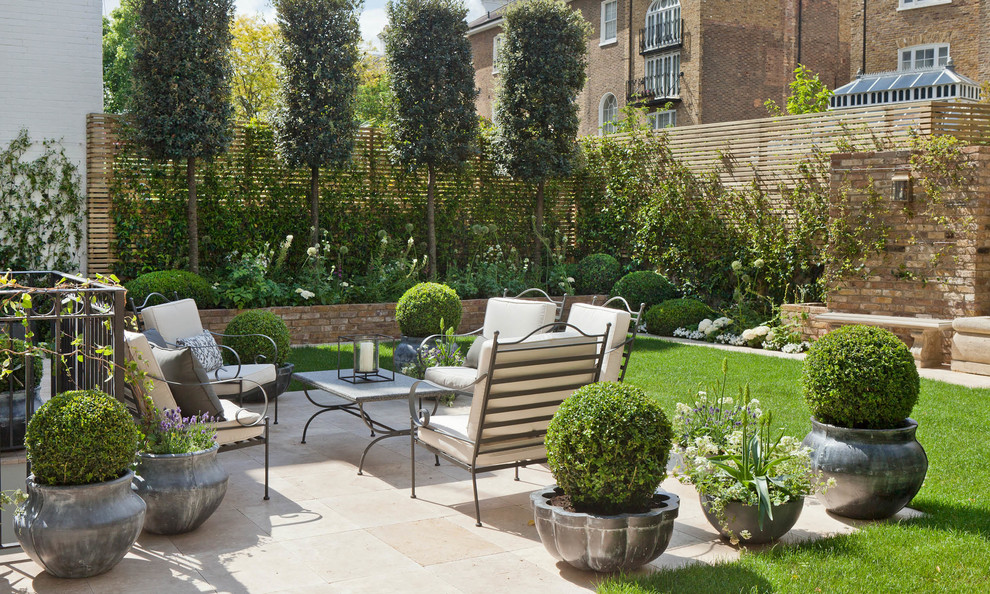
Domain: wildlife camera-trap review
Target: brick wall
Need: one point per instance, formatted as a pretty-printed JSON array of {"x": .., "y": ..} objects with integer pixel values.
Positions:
[
  {"x": 51, "y": 73},
  {"x": 803, "y": 315},
  {"x": 322, "y": 324}
]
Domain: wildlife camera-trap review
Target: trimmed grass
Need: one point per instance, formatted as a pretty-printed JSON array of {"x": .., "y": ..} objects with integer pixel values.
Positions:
[{"x": 947, "y": 551}]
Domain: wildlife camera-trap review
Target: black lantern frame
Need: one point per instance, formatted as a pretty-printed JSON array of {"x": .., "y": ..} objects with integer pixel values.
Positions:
[{"x": 365, "y": 367}]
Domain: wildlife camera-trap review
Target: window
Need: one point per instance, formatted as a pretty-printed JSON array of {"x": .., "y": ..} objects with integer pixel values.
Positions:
[
  {"x": 663, "y": 24},
  {"x": 496, "y": 49},
  {"x": 909, "y": 4},
  {"x": 608, "y": 112},
  {"x": 921, "y": 57},
  {"x": 610, "y": 21},
  {"x": 663, "y": 75},
  {"x": 663, "y": 119}
]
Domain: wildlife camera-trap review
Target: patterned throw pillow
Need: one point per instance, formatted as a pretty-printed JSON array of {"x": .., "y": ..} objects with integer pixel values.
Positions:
[{"x": 205, "y": 349}]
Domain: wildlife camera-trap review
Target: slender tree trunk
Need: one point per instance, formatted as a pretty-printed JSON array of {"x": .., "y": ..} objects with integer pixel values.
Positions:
[
  {"x": 431, "y": 224},
  {"x": 192, "y": 215},
  {"x": 314, "y": 205},
  {"x": 538, "y": 225}
]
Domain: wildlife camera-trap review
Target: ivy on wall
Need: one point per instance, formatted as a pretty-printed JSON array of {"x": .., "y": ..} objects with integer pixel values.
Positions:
[{"x": 42, "y": 208}]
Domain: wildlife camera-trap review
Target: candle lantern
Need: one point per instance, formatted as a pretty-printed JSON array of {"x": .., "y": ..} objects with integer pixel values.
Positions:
[{"x": 365, "y": 367}]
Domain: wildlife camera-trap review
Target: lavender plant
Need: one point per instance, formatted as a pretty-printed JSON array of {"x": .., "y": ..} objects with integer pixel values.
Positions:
[
  {"x": 166, "y": 431},
  {"x": 716, "y": 416}
]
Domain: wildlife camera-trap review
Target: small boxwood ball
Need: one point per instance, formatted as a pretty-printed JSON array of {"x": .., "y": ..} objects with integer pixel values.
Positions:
[
  {"x": 186, "y": 284},
  {"x": 421, "y": 309},
  {"x": 597, "y": 274},
  {"x": 252, "y": 348},
  {"x": 607, "y": 446},
  {"x": 80, "y": 437},
  {"x": 644, "y": 286},
  {"x": 672, "y": 314},
  {"x": 860, "y": 377}
]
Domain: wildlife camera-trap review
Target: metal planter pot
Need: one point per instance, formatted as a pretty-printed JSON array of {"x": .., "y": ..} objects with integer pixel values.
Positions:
[
  {"x": 739, "y": 517},
  {"x": 181, "y": 490},
  {"x": 406, "y": 351},
  {"x": 877, "y": 471},
  {"x": 604, "y": 543},
  {"x": 81, "y": 530}
]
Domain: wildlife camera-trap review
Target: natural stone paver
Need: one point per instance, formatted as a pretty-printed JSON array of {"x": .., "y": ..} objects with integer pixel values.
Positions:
[{"x": 326, "y": 529}]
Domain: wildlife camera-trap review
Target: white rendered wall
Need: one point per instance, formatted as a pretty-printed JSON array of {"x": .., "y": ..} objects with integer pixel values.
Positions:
[{"x": 51, "y": 73}]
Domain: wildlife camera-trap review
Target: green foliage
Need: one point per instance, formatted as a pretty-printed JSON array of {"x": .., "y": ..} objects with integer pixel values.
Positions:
[
  {"x": 256, "y": 69},
  {"x": 374, "y": 95},
  {"x": 43, "y": 208},
  {"x": 808, "y": 94},
  {"x": 860, "y": 377},
  {"x": 315, "y": 123},
  {"x": 168, "y": 432},
  {"x": 392, "y": 270},
  {"x": 256, "y": 348},
  {"x": 542, "y": 68},
  {"x": 670, "y": 315},
  {"x": 169, "y": 282},
  {"x": 424, "y": 309},
  {"x": 14, "y": 376},
  {"x": 607, "y": 447},
  {"x": 644, "y": 286},
  {"x": 181, "y": 86},
  {"x": 80, "y": 437},
  {"x": 118, "y": 57},
  {"x": 597, "y": 274},
  {"x": 444, "y": 352}
]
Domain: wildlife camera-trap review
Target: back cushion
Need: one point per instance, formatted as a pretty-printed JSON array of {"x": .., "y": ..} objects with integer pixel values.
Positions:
[
  {"x": 515, "y": 318},
  {"x": 592, "y": 319},
  {"x": 139, "y": 351},
  {"x": 192, "y": 396},
  {"x": 175, "y": 320}
]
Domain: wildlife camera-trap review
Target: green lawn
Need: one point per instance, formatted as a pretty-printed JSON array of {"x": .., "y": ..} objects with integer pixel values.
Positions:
[{"x": 948, "y": 551}]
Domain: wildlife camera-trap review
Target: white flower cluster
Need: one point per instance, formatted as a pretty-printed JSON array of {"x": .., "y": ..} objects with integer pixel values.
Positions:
[
  {"x": 729, "y": 338},
  {"x": 709, "y": 327},
  {"x": 755, "y": 333},
  {"x": 796, "y": 347},
  {"x": 692, "y": 334},
  {"x": 305, "y": 294}
]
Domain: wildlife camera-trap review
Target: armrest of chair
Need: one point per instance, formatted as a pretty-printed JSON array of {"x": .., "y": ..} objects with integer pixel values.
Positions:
[
  {"x": 420, "y": 417},
  {"x": 259, "y": 358},
  {"x": 435, "y": 336}
]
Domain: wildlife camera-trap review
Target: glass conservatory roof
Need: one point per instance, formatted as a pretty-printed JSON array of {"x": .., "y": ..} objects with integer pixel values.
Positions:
[{"x": 943, "y": 83}]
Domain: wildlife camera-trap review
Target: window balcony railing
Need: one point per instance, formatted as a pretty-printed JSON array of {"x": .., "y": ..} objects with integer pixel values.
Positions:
[
  {"x": 660, "y": 36},
  {"x": 652, "y": 90}
]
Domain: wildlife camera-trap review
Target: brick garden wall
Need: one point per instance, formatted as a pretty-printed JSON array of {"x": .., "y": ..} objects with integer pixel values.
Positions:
[{"x": 322, "y": 324}]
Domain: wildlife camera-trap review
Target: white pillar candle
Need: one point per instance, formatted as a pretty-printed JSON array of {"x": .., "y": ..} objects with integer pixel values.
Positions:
[{"x": 366, "y": 356}]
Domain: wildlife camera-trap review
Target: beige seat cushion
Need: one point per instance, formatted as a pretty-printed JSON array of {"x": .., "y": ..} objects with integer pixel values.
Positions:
[
  {"x": 515, "y": 318},
  {"x": 238, "y": 425},
  {"x": 262, "y": 373},
  {"x": 455, "y": 378},
  {"x": 174, "y": 320},
  {"x": 448, "y": 434},
  {"x": 592, "y": 319}
]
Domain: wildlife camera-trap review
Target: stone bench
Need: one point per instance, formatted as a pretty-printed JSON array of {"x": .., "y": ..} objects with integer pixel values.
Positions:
[
  {"x": 971, "y": 345},
  {"x": 926, "y": 332}
]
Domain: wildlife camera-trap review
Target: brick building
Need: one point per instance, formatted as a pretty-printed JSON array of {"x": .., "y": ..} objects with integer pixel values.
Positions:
[{"x": 708, "y": 60}]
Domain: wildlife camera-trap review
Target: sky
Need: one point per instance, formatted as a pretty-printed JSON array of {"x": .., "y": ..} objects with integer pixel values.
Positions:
[{"x": 373, "y": 18}]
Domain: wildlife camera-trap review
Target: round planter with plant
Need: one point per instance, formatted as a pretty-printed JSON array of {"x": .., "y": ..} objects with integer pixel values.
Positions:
[
  {"x": 246, "y": 335},
  {"x": 751, "y": 483},
  {"x": 81, "y": 516},
  {"x": 20, "y": 395},
  {"x": 178, "y": 474},
  {"x": 607, "y": 446},
  {"x": 597, "y": 274},
  {"x": 424, "y": 310},
  {"x": 861, "y": 384},
  {"x": 171, "y": 284}
]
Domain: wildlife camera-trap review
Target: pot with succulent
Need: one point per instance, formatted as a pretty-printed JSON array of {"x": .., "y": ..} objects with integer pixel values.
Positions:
[
  {"x": 751, "y": 484},
  {"x": 80, "y": 517},
  {"x": 861, "y": 384},
  {"x": 607, "y": 446},
  {"x": 178, "y": 474}
]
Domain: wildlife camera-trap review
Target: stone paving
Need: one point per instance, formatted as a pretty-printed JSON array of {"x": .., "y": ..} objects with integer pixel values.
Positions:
[{"x": 326, "y": 529}]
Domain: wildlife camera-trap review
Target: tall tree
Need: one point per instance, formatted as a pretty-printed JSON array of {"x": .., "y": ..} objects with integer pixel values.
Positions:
[
  {"x": 256, "y": 69},
  {"x": 433, "y": 123},
  {"x": 181, "y": 98},
  {"x": 542, "y": 68},
  {"x": 315, "y": 124},
  {"x": 373, "y": 95},
  {"x": 118, "y": 57}
]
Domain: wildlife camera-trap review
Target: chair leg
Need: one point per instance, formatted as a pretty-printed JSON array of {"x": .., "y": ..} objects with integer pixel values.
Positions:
[
  {"x": 436, "y": 459},
  {"x": 477, "y": 506},
  {"x": 517, "y": 473},
  {"x": 276, "y": 411},
  {"x": 412, "y": 463},
  {"x": 266, "y": 459}
]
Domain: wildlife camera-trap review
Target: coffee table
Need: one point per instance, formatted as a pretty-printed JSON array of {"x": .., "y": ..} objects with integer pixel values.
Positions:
[{"x": 351, "y": 398}]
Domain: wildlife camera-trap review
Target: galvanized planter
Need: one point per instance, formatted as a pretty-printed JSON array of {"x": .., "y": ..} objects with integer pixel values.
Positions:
[
  {"x": 81, "y": 530},
  {"x": 740, "y": 517},
  {"x": 877, "y": 471},
  {"x": 604, "y": 543},
  {"x": 182, "y": 490},
  {"x": 406, "y": 351}
]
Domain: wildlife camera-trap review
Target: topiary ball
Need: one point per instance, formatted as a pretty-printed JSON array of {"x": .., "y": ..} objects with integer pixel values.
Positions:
[
  {"x": 644, "y": 286},
  {"x": 607, "y": 446},
  {"x": 252, "y": 348},
  {"x": 597, "y": 274},
  {"x": 80, "y": 437},
  {"x": 672, "y": 314},
  {"x": 168, "y": 282},
  {"x": 421, "y": 308},
  {"x": 860, "y": 377}
]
